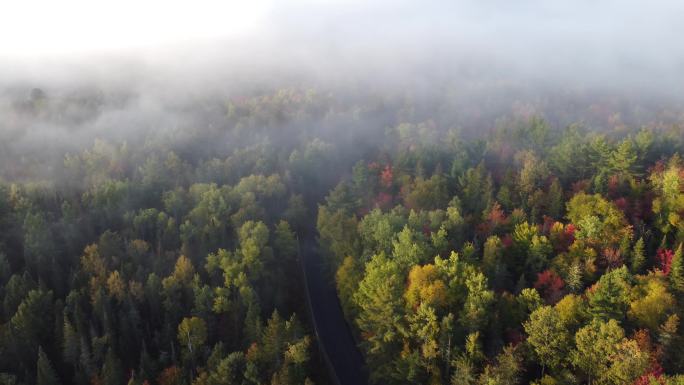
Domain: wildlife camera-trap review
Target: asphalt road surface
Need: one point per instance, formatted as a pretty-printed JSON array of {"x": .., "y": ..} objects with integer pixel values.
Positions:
[{"x": 344, "y": 360}]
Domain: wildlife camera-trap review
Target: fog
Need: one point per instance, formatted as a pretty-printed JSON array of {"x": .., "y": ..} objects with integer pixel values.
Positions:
[
  {"x": 608, "y": 43},
  {"x": 120, "y": 71}
]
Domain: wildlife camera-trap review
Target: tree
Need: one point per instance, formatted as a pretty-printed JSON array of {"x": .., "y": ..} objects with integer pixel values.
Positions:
[
  {"x": 273, "y": 341},
  {"x": 477, "y": 188},
  {"x": 380, "y": 303},
  {"x": 182, "y": 275},
  {"x": 45, "y": 374},
  {"x": 406, "y": 250},
  {"x": 628, "y": 363},
  {"x": 493, "y": 262},
  {"x": 427, "y": 194},
  {"x": 347, "y": 279},
  {"x": 677, "y": 271},
  {"x": 653, "y": 303},
  {"x": 464, "y": 372},
  {"x": 337, "y": 233},
  {"x": 115, "y": 285},
  {"x": 254, "y": 249},
  {"x": 285, "y": 241},
  {"x": 29, "y": 326},
  {"x": 574, "y": 277},
  {"x": 476, "y": 309},
  {"x": 71, "y": 346},
  {"x": 596, "y": 344},
  {"x": 548, "y": 337},
  {"x": 424, "y": 327},
  {"x": 425, "y": 286},
  {"x": 555, "y": 199},
  {"x": 192, "y": 333},
  {"x": 174, "y": 376},
  {"x": 638, "y": 257},
  {"x": 572, "y": 310},
  {"x": 598, "y": 220},
  {"x": 669, "y": 201},
  {"x": 550, "y": 285},
  {"x": 609, "y": 298},
  {"x": 623, "y": 158},
  {"x": 506, "y": 369},
  {"x": 112, "y": 371}
]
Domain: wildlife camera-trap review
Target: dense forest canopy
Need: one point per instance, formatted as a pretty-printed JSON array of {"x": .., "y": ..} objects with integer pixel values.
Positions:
[
  {"x": 494, "y": 195},
  {"x": 500, "y": 248}
]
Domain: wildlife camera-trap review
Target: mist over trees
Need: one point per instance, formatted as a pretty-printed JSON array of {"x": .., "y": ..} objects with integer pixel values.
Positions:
[{"x": 496, "y": 191}]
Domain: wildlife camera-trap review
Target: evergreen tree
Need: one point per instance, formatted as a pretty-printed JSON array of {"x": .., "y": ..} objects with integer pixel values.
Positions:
[
  {"x": 45, "y": 373},
  {"x": 677, "y": 270},
  {"x": 638, "y": 257},
  {"x": 574, "y": 277},
  {"x": 112, "y": 372}
]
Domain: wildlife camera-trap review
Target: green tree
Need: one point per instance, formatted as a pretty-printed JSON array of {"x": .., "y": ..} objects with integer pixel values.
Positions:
[
  {"x": 598, "y": 220},
  {"x": 192, "y": 334},
  {"x": 45, "y": 373},
  {"x": 623, "y": 158},
  {"x": 476, "y": 189},
  {"x": 380, "y": 303},
  {"x": 596, "y": 345},
  {"x": 638, "y": 257},
  {"x": 669, "y": 201},
  {"x": 548, "y": 337},
  {"x": 505, "y": 370},
  {"x": 610, "y": 296},
  {"x": 653, "y": 303},
  {"x": 112, "y": 370},
  {"x": 677, "y": 270},
  {"x": 337, "y": 233},
  {"x": 29, "y": 326},
  {"x": 629, "y": 362},
  {"x": 476, "y": 309}
]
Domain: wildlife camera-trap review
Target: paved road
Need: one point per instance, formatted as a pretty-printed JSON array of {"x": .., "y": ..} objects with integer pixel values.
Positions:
[{"x": 343, "y": 359}]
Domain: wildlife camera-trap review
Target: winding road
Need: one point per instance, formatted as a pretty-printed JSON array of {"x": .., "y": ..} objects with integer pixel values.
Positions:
[{"x": 337, "y": 345}]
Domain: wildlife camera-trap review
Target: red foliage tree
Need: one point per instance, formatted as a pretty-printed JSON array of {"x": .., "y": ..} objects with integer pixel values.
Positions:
[
  {"x": 550, "y": 285},
  {"x": 570, "y": 230},
  {"x": 621, "y": 204},
  {"x": 664, "y": 259},
  {"x": 496, "y": 216},
  {"x": 653, "y": 376},
  {"x": 383, "y": 200},
  {"x": 387, "y": 177}
]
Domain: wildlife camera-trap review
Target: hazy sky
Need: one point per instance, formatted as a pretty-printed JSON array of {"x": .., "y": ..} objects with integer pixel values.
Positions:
[
  {"x": 609, "y": 41},
  {"x": 29, "y": 27}
]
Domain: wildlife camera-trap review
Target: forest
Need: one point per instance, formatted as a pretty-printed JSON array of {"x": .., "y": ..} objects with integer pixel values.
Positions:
[{"x": 530, "y": 243}]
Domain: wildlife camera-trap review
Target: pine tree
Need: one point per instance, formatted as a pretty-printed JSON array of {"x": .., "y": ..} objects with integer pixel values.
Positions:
[
  {"x": 45, "y": 374},
  {"x": 638, "y": 257},
  {"x": 555, "y": 199},
  {"x": 112, "y": 373},
  {"x": 677, "y": 270},
  {"x": 609, "y": 298},
  {"x": 574, "y": 278},
  {"x": 72, "y": 343}
]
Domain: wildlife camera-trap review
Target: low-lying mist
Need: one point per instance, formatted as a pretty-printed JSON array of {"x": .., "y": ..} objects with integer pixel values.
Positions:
[{"x": 346, "y": 72}]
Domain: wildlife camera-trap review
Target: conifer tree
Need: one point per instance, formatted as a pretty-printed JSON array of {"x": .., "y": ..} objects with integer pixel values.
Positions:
[
  {"x": 45, "y": 373},
  {"x": 638, "y": 257},
  {"x": 677, "y": 270}
]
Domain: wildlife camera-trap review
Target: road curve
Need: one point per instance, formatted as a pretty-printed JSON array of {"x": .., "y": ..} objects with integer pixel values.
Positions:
[{"x": 335, "y": 339}]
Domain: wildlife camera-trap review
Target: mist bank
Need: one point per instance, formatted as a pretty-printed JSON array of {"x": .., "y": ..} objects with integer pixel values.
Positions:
[
  {"x": 596, "y": 45},
  {"x": 345, "y": 73}
]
